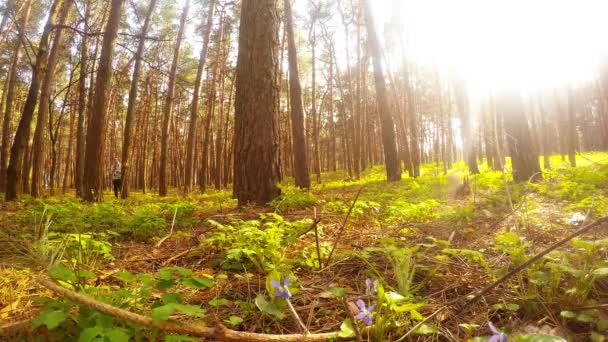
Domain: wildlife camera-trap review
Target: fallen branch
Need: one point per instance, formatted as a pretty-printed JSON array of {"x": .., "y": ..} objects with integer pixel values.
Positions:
[
  {"x": 532, "y": 260},
  {"x": 510, "y": 274},
  {"x": 218, "y": 333},
  {"x": 177, "y": 256}
]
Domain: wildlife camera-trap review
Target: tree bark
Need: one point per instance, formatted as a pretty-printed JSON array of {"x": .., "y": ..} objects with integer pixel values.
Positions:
[
  {"x": 92, "y": 184},
  {"x": 38, "y": 154},
  {"x": 168, "y": 110},
  {"x": 82, "y": 105},
  {"x": 524, "y": 161},
  {"x": 22, "y": 136},
  {"x": 301, "y": 173},
  {"x": 256, "y": 157},
  {"x": 195, "y": 99},
  {"x": 465, "y": 122},
  {"x": 128, "y": 131},
  {"x": 10, "y": 97},
  {"x": 391, "y": 159}
]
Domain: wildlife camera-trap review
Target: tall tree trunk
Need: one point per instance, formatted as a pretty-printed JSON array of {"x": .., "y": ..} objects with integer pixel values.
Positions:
[
  {"x": 168, "y": 110},
  {"x": 256, "y": 155},
  {"x": 10, "y": 96},
  {"x": 38, "y": 154},
  {"x": 465, "y": 121},
  {"x": 524, "y": 161},
  {"x": 82, "y": 105},
  {"x": 195, "y": 99},
  {"x": 126, "y": 144},
  {"x": 301, "y": 175},
  {"x": 313, "y": 111},
  {"x": 572, "y": 134},
  {"x": 22, "y": 136},
  {"x": 391, "y": 159},
  {"x": 92, "y": 184}
]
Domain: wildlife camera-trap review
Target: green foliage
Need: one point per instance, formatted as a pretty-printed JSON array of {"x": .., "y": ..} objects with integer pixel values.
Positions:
[
  {"x": 403, "y": 211},
  {"x": 259, "y": 243},
  {"x": 293, "y": 198}
]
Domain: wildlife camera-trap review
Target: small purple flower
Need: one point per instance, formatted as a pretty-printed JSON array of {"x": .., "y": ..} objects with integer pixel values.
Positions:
[
  {"x": 371, "y": 287},
  {"x": 497, "y": 336},
  {"x": 282, "y": 290},
  {"x": 365, "y": 313}
]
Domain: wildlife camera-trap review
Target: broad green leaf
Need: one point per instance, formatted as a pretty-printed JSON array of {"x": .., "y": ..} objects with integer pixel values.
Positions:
[
  {"x": 269, "y": 308},
  {"x": 337, "y": 291},
  {"x": 162, "y": 313},
  {"x": 117, "y": 335},
  {"x": 167, "y": 298},
  {"x": 219, "y": 302},
  {"x": 346, "y": 329},
  {"x": 50, "y": 318},
  {"x": 60, "y": 272},
  {"x": 90, "y": 334},
  {"x": 198, "y": 283},
  {"x": 233, "y": 321}
]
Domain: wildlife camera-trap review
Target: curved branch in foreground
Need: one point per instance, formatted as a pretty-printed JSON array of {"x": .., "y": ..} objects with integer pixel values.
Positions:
[{"x": 218, "y": 333}]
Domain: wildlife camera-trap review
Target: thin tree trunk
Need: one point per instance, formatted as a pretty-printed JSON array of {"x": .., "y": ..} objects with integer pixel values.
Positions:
[
  {"x": 22, "y": 136},
  {"x": 10, "y": 97},
  {"x": 92, "y": 184},
  {"x": 393, "y": 167},
  {"x": 38, "y": 154},
  {"x": 168, "y": 110},
  {"x": 126, "y": 145},
  {"x": 301, "y": 175},
  {"x": 195, "y": 99}
]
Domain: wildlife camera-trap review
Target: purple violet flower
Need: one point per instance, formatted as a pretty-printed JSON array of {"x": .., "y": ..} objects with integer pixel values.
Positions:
[
  {"x": 371, "y": 287},
  {"x": 281, "y": 290},
  {"x": 365, "y": 313},
  {"x": 497, "y": 336}
]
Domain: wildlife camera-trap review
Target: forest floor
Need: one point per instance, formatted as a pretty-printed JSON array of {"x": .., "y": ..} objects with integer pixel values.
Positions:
[{"x": 201, "y": 260}]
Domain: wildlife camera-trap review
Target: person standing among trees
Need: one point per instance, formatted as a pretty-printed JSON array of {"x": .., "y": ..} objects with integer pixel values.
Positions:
[{"x": 116, "y": 173}]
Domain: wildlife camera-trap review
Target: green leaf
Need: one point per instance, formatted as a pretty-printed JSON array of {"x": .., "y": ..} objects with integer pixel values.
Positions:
[
  {"x": 269, "y": 308},
  {"x": 346, "y": 329},
  {"x": 162, "y": 313},
  {"x": 337, "y": 291},
  {"x": 219, "y": 302},
  {"x": 233, "y": 321},
  {"x": 426, "y": 329},
  {"x": 50, "y": 318},
  {"x": 117, "y": 335},
  {"x": 60, "y": 272},
  {"x": 90, "y": 334},
  {"x": 198, "y": 283},
  {"x": 468, "y": 327},
  {"x": 167, "y": 298}
]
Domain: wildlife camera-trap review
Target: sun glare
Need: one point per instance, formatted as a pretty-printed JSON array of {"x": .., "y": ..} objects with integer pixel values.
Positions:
[{"x": 524, "y": 44}]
